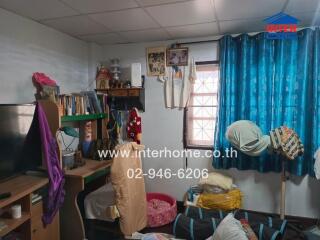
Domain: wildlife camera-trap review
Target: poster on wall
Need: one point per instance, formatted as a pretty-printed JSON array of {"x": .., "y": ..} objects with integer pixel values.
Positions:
[
  {"x": 177, "y": 56},
  {"x": 156, "y": 61}
]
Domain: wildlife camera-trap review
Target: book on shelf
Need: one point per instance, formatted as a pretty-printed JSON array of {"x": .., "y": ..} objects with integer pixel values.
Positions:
[
  {"x": 36, "y": 198},
  {"x": 103, "y": 99},
  {"x": 86, "y": 102},
  {"x": 3, "y": 226}
]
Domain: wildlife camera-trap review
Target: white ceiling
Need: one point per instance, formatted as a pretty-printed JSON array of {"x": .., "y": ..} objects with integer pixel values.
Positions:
[{"x": 124, "y": 21}]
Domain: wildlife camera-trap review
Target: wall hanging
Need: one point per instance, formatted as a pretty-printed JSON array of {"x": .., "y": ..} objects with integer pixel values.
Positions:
[{"x": 156, "y": 61}]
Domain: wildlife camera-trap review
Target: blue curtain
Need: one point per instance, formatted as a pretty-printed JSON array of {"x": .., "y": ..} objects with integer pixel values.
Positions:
[{"x": 272, "y": 83}]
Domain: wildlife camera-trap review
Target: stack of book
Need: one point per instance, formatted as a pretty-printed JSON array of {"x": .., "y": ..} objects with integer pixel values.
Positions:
[
  {"x": 3, "y": 225},
  {"x": 35, "y": 198},
  {"x": 87, "y": 102}
]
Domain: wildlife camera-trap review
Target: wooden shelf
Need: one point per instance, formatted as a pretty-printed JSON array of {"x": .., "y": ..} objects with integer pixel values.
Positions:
[
  {"x": 125, "y": 98},
  {"x": 20, "y": 187},
  {"x": 12, "y": 224},
  {"x": 122, "y": 92},
  {"x": 85, "y": 117}
]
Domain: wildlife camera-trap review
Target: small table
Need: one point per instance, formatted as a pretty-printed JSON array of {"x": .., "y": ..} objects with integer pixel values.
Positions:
[{"x": 72, "y": 226}]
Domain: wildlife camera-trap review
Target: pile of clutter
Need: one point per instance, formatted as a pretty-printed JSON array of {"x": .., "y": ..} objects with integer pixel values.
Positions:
[
  {"x": 47, "y": 88},
  {"x": 217, "y": 191}
]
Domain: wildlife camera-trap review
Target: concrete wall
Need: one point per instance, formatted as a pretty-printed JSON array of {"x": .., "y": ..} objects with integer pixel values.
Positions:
[
  {"x": 95, "y": 58},
  {"x": 26, "y": 47}
]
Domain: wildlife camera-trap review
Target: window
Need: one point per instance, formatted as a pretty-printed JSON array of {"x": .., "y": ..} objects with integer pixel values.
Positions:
[{"x": 200, "y": 115}]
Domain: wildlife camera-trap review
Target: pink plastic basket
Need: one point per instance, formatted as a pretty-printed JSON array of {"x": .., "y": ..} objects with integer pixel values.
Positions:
[{"x": 162, "y": 209}]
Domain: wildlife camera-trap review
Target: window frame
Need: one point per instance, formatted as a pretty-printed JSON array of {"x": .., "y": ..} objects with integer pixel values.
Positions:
[{"x": 185, "y": 114}]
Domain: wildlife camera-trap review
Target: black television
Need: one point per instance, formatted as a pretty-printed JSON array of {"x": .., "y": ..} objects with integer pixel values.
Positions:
[{"x": 16, "y": 156}]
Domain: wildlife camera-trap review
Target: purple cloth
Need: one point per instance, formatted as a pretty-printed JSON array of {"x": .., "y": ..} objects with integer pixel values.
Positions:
[{"x": 40, "y": 129}]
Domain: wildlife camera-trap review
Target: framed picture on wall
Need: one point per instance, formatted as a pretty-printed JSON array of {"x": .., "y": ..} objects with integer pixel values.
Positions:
[
  {"x": 177, "y": 56},
  {"x": 156, "y": 61}
]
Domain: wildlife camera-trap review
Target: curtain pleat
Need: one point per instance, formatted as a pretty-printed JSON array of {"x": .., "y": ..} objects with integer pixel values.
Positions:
[{"x": 272, "y": 83}]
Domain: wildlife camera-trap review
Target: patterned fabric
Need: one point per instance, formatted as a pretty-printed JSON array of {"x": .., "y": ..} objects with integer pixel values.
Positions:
[
  {"x": 272, "y": 83},
  {"x": 285, "y": 141},
  {"x": 248, "y": 230},
  {"x": 134, "y": 126},
  {"x": 162, "y": 209},
  {"x": 160, "y": 213},
  {"x": 197, "y": 219}
]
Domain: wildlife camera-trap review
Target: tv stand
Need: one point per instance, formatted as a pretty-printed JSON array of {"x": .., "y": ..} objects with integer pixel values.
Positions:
[{"x": 29, "y": 226}]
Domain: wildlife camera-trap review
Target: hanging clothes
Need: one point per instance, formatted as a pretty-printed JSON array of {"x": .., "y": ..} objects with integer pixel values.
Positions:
[
  {"x": 134, "y": 128},
  {"x": 177, "y": 85},
  {"x": 113, "y": 126},
  {"x": 40, "y": 132}
]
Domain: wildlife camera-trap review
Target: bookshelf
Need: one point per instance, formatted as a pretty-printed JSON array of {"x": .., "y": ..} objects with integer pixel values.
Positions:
[
  {"x": 77, "y": 178},
  {"x": 56, "y": 121},
  {"x": 83, "y": 103},
  {"x": 13, "y": 224}
]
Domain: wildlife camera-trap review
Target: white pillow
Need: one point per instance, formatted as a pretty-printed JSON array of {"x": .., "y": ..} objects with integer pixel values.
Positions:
[
  {"x": 217, "y": 179},
  {"x": 229, "y": 229}
]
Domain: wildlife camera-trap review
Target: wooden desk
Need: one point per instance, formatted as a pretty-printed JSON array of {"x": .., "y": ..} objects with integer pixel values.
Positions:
[
  {"x": 30, "y": 224},
  {"x": 72, "y": 226}
]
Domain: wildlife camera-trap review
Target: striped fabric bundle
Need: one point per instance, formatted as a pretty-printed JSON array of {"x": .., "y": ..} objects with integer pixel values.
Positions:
[
  {"x": 199, "y": 223},
  {"x": 286, "y": 142}
]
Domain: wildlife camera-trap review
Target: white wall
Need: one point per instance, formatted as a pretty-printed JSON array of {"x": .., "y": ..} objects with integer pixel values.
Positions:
[
  {"x": 26, "y": 47},
  {"x": 163, "y": 127},
  {"x": 95, "y": 57}
]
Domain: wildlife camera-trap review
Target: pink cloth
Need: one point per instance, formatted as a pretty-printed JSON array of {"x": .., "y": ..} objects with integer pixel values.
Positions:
[
  {"x": 156, "y": 206},
  {"x": 42, "y": 79},
  {"x": 162, "y": 209}
]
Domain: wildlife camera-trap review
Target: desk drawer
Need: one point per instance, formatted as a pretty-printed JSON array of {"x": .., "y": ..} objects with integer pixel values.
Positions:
[
  {"x": 134, "y": 92},
  {"x": 118, "y": 92}
]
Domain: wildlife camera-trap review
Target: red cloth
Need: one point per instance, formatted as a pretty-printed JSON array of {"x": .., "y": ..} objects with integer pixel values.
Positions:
[
  {"x": 40, "y": 79},
  {"x": 134, "y": 128}
]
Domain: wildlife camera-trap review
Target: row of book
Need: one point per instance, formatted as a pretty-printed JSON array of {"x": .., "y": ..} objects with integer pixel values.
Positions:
[{"x": 87, "y": 102}]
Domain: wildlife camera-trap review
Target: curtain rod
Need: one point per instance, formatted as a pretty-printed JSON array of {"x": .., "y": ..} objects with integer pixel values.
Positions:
[{"x": 197, "y": 42}]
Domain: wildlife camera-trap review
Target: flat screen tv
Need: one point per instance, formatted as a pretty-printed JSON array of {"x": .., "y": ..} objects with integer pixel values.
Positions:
[{"x": 15, "y": 155}]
